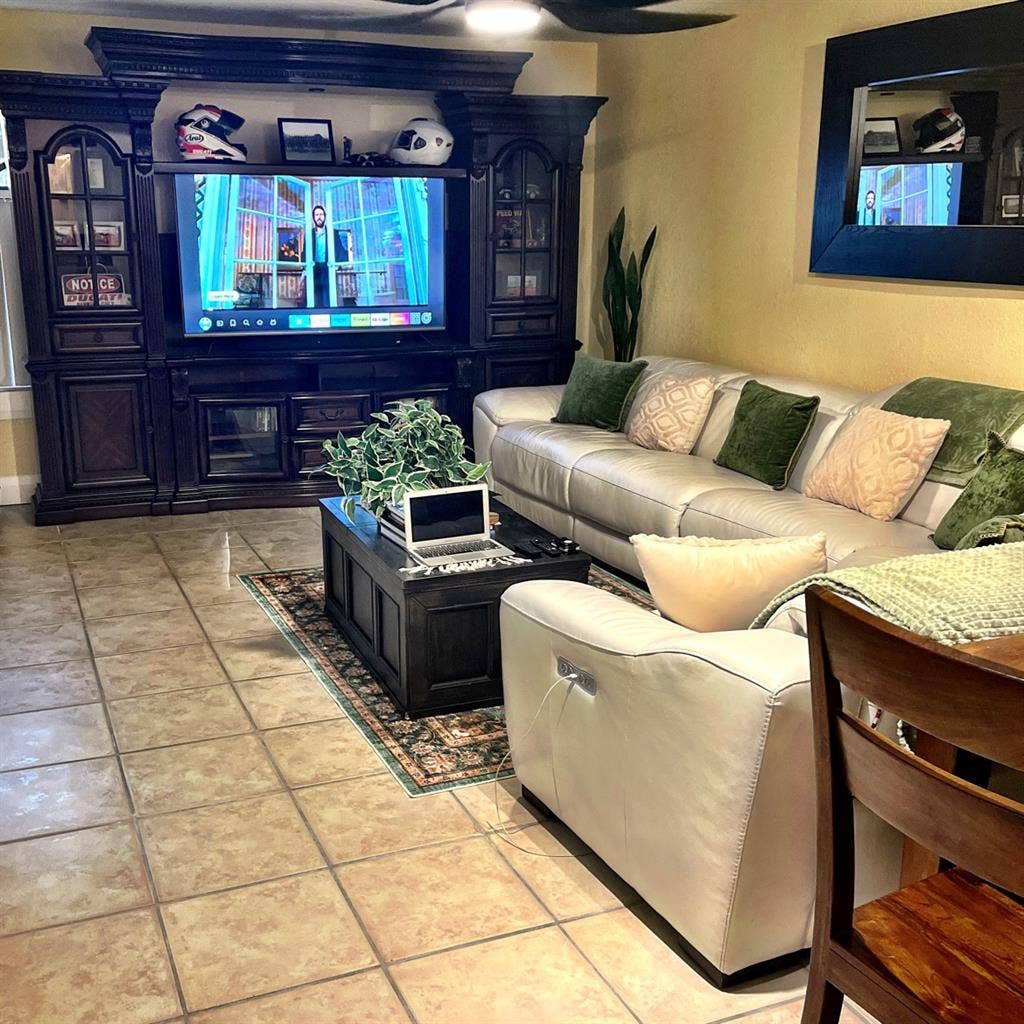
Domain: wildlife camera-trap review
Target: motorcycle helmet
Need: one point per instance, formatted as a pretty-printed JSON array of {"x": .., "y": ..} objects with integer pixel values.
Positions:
[
  {"x": 422, "y": 141},
  {"x": 203, "y": 134},
  {"x": 941, "y": 131}
]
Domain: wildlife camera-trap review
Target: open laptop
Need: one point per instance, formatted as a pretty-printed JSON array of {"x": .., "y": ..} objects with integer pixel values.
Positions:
[{"x": 450, "y": 524}]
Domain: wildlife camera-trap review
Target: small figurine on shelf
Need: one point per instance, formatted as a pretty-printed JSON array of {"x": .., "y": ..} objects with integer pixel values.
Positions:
[{"x": 203, "y": 134}]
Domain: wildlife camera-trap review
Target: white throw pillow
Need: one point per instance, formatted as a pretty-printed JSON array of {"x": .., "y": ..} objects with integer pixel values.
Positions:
[
  {"x": 876, "y": 462},
  {"x": 708, "y": 584},
  {"x": 669, "y": 415}
]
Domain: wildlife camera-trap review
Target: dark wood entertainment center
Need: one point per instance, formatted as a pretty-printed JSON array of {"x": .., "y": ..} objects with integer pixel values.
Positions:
[{"x": 134, "y": 418}]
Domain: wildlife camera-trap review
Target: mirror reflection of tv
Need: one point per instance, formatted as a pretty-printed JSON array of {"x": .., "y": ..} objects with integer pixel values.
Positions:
[{"x": 290, "y": 253}]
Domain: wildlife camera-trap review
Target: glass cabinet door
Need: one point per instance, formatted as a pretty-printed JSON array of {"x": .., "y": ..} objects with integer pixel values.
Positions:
[
  {"x": 86, "y": 197},
  {"x": 523, "y": 227},
  {"x": 243, "y": 439}
]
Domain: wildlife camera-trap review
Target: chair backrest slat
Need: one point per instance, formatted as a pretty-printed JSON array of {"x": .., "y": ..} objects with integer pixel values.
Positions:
[
  {"x": 977, "y": 830},
  {"x": 947, "y": 693}
]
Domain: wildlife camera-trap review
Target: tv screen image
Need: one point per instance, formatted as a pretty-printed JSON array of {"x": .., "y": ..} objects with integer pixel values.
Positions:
[{"x": 272, "y": 253}]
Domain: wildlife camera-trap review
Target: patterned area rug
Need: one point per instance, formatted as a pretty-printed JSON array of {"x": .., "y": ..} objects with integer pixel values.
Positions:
[{"x": 426, "y": 755}]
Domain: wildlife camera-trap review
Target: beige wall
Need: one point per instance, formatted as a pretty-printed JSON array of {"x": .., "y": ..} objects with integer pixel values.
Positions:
[
  {"x": 713, "y": 136},
  {"x": 34, "y": 41}
]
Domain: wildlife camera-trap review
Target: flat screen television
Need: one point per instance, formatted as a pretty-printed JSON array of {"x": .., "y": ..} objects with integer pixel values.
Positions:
[{"x": 285, "y": 253}]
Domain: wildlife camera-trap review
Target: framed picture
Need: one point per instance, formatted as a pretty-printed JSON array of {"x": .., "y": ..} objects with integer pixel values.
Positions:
[
  {"x": 66, "y": 235},
  {"x": 881, "y": 136},
  {"x": 291, "y": 245},
  {"x": 1011, "y": 206},
  {"x": 97, "y": 179},
  {"x": 305, "y": 140},
  {"x": 108, "y": 234}
]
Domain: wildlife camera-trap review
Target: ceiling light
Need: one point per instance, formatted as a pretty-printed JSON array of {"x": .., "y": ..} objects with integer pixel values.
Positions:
[{"x": 502, "y": 16}]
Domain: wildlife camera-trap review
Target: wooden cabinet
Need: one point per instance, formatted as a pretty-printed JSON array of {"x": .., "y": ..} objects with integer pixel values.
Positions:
[
  {"x": 107, "y": 440},
  {"x": 132, "y": 417}
]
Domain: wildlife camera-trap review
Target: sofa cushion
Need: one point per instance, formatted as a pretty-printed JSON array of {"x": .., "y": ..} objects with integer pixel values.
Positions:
[
  {"x": 536, "y": 458},
  {"x": 877, "y": 462},
  {"x": 599, "y": 393},
  {"x": 633, "y": 490},
  {"x": 836, "y": 403},
  {"x": 732, "y": 513},
  {"x": 996, "y": 489},
  {"x": 768, "y": 433},
  {"x": 708, "y": 584},
  {"x": 669, "y": 416}
]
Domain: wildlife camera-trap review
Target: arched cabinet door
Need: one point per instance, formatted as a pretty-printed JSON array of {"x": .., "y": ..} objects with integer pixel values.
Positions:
[
  {"x": 85, "y": 188},
  {"x": 524, "y": 226}
]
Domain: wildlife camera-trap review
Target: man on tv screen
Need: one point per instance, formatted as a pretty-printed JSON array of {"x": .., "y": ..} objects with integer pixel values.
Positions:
[{"x": 313, "y": 245}]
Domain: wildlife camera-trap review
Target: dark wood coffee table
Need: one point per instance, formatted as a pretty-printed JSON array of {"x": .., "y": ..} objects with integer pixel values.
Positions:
[{"x": 433, "y": 641}]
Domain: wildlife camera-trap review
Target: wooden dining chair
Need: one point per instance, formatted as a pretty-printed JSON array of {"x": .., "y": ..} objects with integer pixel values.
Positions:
[{"x": 949, "y": 949}]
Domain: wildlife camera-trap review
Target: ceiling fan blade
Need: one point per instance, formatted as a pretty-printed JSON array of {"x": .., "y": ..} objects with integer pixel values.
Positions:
[
  {"x": 626, "y": 18},
  {"x": 401, "y": 22}
]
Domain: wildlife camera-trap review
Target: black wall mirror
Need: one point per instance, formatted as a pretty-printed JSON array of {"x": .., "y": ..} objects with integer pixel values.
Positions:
[{"x": 921, "y": 151}]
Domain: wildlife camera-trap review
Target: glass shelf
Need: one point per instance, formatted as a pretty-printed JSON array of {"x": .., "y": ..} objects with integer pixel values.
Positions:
[
  {"x": 522, "y": 228},
  {"x": 86, "y": 198}
]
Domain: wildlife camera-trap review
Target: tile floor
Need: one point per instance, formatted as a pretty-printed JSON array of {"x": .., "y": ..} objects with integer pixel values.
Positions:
[{"x": 190, "y": 830}]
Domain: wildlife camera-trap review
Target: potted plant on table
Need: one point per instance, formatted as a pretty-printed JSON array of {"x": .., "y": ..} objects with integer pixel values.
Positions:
[{"x": 410, "y": 447}]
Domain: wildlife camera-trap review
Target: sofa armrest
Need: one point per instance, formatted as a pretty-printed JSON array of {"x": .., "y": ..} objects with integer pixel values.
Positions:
[
  {"x": 593, "y": 618},
  {"x": 494, "y": 409}
]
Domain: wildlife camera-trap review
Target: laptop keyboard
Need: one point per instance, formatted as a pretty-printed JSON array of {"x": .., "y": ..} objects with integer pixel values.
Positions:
[{"x": 462, "y": 548}]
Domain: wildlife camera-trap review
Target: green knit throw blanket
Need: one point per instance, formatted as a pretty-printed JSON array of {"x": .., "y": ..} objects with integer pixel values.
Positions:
[{"x": 952, "y": 597}]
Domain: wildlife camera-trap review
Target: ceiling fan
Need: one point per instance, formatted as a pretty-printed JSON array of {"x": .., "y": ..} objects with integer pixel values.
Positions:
[{"x": 622, "y": 17}]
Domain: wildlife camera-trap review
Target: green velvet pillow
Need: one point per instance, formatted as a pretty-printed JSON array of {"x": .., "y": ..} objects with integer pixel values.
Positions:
[
  {"x": 599, "y": 393},
  {"x": 768, "y": 433},
  {"x": 996, "y": 489}
]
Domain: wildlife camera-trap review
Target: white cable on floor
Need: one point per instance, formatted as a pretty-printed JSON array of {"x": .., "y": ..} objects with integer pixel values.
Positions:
[{"x": 502, "y": 830}]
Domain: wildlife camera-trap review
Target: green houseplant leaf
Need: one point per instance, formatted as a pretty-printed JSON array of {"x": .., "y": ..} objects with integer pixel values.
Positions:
[
  {"x": 622, "y": 289},
  {"x": 409, "y": 446}
]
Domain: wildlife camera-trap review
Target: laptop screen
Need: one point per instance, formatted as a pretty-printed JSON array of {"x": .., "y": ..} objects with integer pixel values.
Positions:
[{"x": 442, "y": 515}]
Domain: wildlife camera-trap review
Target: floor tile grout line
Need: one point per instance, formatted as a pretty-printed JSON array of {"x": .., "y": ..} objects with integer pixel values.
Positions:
[
  {"x": 558, "y": 924},
  {"x": 374, "y": 948},
  {"x": 245, "y": 1000}
]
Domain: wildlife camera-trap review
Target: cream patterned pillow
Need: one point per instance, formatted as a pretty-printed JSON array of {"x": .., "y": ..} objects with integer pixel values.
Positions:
[
  {"x": 876, "y": 462},
  {"x": 668, "y": 417}
]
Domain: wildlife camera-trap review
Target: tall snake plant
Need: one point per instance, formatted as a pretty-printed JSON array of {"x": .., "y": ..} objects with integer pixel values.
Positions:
[
  {"x": 623, "y": 289},
  {"x": 410, "y": 447}
]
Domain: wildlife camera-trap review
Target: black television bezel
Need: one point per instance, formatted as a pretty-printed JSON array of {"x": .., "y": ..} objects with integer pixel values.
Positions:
[{"x": 192, "y": 168}]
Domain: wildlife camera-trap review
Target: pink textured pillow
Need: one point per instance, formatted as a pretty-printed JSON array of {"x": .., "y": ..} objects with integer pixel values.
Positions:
[
  {"x": 876, "y": 462},
  {"x": 668, "y": 416}
]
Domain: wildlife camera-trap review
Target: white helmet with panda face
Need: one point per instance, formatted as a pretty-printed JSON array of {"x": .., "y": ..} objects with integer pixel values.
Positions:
[{"x": 423, "y": 142}]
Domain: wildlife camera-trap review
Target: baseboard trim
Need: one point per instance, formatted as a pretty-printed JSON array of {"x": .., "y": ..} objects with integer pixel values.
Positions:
[{"x": 776, "y": 965}]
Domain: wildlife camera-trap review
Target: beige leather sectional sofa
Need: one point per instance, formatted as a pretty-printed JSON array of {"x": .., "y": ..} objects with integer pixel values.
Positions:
[
  {"x": 690, "y": 769},
  {"x": 599, "y": 488}
]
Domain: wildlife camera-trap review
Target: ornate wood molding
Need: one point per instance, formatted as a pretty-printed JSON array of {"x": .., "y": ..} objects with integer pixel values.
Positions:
[
  {"x": 88, "y": 98},
  {"x": 17, "y": 141},
  {"x": 478, "y": 113},
  {"x": 127, "y": 55}
]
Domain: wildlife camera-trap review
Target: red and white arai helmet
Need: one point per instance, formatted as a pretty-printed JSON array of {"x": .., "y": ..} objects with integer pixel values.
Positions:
[
  {"x": 941, "y": 131},
  {"x": 203, "y": 134}
]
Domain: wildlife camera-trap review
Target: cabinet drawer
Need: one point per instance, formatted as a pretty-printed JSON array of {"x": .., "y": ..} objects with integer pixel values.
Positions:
[
  {"x": 97, "y": 337},
  {"x": 307, "y": 455},
  {"x": 329, "y": 414},
  {"x": 506, "y": 325}
]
